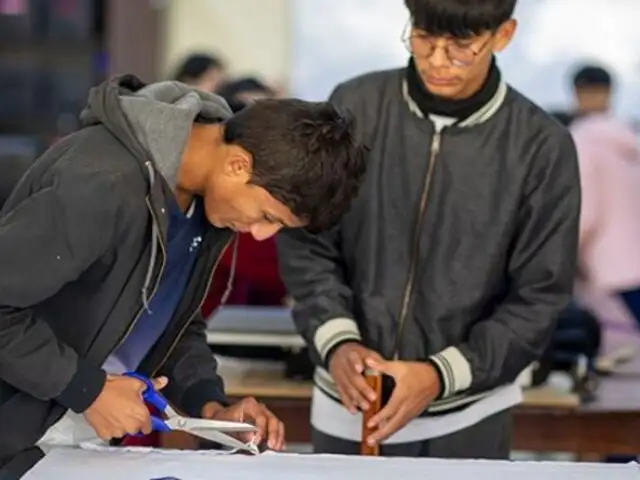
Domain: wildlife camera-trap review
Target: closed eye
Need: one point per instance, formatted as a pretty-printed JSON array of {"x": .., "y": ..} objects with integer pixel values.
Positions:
[{"x": 271, "y": 219}]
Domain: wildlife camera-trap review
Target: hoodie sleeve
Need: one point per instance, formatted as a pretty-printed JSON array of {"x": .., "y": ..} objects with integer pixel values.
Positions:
[
  {"x": 541, "y": 273},
  {"x": 47, "y": 241}
]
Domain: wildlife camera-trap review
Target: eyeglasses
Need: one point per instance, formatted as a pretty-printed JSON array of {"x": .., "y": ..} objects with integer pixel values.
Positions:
[{"x": 459, "y": 54}]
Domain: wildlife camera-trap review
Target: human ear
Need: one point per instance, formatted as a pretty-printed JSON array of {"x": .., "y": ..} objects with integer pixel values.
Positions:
[
  {"x": 504, "y": 35},
  {"x": 238, "y": 163}
]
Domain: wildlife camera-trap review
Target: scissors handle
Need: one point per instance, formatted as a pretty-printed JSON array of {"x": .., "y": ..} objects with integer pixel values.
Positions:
[{"x": 155, "y": 398}]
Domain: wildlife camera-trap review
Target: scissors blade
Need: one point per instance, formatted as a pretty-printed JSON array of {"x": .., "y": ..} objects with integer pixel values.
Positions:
[
  {"x": 188, "y": 424},
  {"x": 226, "y": 440}
]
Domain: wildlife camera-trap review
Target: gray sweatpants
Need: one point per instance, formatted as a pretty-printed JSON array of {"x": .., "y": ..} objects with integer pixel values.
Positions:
[{"x": 488, "y": 439}]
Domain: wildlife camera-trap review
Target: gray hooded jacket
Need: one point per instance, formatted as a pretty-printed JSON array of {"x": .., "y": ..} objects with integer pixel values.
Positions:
[{"x": 82, "y": 245}]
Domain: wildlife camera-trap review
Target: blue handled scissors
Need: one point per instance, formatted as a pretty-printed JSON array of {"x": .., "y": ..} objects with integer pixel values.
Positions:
[{"x": 213, "y": 430}]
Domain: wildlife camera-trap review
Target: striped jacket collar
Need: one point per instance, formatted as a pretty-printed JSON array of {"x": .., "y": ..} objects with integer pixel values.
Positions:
[{"x": 482, "y": 115}]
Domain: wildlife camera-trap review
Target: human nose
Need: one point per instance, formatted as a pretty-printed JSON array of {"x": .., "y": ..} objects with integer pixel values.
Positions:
[
  {"x": 262, "y": 231},
  {"x": 439, "y": 56}
]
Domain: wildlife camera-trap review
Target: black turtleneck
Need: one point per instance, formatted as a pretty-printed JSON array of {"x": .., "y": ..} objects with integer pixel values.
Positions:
[{"x": 458, "y": 109}]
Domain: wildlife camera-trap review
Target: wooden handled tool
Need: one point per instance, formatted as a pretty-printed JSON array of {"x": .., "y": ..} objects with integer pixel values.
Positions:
[{"x": 374, "y": 380}]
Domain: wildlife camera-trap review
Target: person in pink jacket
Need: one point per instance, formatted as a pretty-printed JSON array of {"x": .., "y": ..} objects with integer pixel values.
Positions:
[{"x": 609, "y": 250}]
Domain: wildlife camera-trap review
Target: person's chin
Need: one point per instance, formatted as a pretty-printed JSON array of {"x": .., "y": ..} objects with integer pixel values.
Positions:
[
  {"x": 443, "y": 88},
  {"x": 217, "y": 222}
]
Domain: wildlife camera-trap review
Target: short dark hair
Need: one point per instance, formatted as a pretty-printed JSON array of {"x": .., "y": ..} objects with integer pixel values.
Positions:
[
  {"x": 592, "y": 76},
  {"x": 196, "y": 65},
  {"x": 459, "y": 18},
  {"x": 305, "y": 154}
]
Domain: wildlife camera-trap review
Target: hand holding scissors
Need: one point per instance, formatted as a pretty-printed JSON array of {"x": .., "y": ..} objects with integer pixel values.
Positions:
[{"x": 214, "y": 430}]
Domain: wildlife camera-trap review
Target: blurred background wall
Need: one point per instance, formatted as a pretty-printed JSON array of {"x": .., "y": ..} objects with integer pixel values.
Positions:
[
  {"x": 53, "y": 51},
  {"x": 254, "y": 36}
]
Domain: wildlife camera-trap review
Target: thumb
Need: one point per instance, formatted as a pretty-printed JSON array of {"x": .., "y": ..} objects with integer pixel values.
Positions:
[
  {"x": 379, "y": 365},
  {"x": 160, "y": 382}
]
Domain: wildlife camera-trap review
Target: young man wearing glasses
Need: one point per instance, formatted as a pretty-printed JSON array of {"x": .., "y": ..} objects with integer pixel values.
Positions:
[{"x": 449, "y": 270}]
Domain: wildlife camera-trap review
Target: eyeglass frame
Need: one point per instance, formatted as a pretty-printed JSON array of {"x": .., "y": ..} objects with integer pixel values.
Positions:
[{"x": 406, "y": 41}]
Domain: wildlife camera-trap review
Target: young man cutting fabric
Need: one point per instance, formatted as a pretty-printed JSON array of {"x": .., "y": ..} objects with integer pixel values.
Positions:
[
  {"x": 449, "y": 270},
  {"x": 107, "y": 249}
]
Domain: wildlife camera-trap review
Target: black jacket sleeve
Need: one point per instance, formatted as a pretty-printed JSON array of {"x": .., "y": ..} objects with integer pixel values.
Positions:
[
  {"x": 192, "y": 372},
  {"x": 541, "y": 274},
  {"x": 46, "y": 241},
  {"x": 312, "y": 270}
]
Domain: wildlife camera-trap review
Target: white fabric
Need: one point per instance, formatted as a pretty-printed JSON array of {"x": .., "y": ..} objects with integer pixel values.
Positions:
[
  {"x": 332, "y": 418},
  {"x": 72, "y": 430},
  {"x": 145, "y": 464}
]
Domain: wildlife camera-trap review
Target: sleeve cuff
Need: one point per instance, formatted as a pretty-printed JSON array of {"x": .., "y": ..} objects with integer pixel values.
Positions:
[
  {"x": 453, "y": 370},
  {"x": 333, "y": 332},
  {"x": 197, "y": 395},
  {"x": 83, "y": 389}
]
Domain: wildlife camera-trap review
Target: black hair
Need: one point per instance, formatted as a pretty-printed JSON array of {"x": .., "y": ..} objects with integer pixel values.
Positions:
[
  {"x": 459, "y": 18},
  {"x": 592, "y": 76},
  {"x": 196, "y": 65},
  {"x": 305, "y": 154}
]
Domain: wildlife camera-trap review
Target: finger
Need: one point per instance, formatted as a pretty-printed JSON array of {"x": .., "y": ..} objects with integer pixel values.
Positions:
[
  {"x": 357, "y": 388},
  {"x": 355, "y": 362},
  {"x": 160, "y": 382},
  {"x": 376, "y": 364},
  {"x": 365, "y": 391},
  {"x": 394, "y": 423},
  {"x": 281, "y": 436},
  {"x": 346, "y": 399},
  {"x": 375, "y": 356},
  {"x": 146, "y": 426},
  {"x": 261, "y": 423},
  {"x": 273, "y": 431},
  {"x": 389, "y": 410}
]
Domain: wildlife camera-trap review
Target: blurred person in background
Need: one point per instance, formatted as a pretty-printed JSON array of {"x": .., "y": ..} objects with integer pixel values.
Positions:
[
  {"x": 201, "y": 70},
  {"x": 608, "y": 282},
  {"x": 244, "y": 91},
  {"x": 450, "y": 269},
  {"x": 592, "y": 90}
]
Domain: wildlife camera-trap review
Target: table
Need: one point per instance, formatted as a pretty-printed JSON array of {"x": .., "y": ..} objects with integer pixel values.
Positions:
[
  {"x": 546, "y": 421},
  {"x": 145, "y": 464}
]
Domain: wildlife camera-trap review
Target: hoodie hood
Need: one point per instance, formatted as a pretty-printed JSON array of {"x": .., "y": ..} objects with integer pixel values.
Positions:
[{"x": 154, "y": 121}]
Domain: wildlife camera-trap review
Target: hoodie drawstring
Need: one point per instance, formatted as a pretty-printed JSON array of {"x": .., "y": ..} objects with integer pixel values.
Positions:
[{"x": 155, "y": 238}]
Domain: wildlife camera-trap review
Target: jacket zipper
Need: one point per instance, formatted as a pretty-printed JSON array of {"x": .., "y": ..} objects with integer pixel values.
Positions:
[
  {"x": 153, "y": 290},
  {"x": 408, "y": 290},
  {"x": 195, "y": 312}
]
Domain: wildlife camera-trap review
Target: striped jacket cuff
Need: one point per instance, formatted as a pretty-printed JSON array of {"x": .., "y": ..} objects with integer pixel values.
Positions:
[
  {"x": 333, "y": 332},
  {"x": 454, "y": 371}
]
